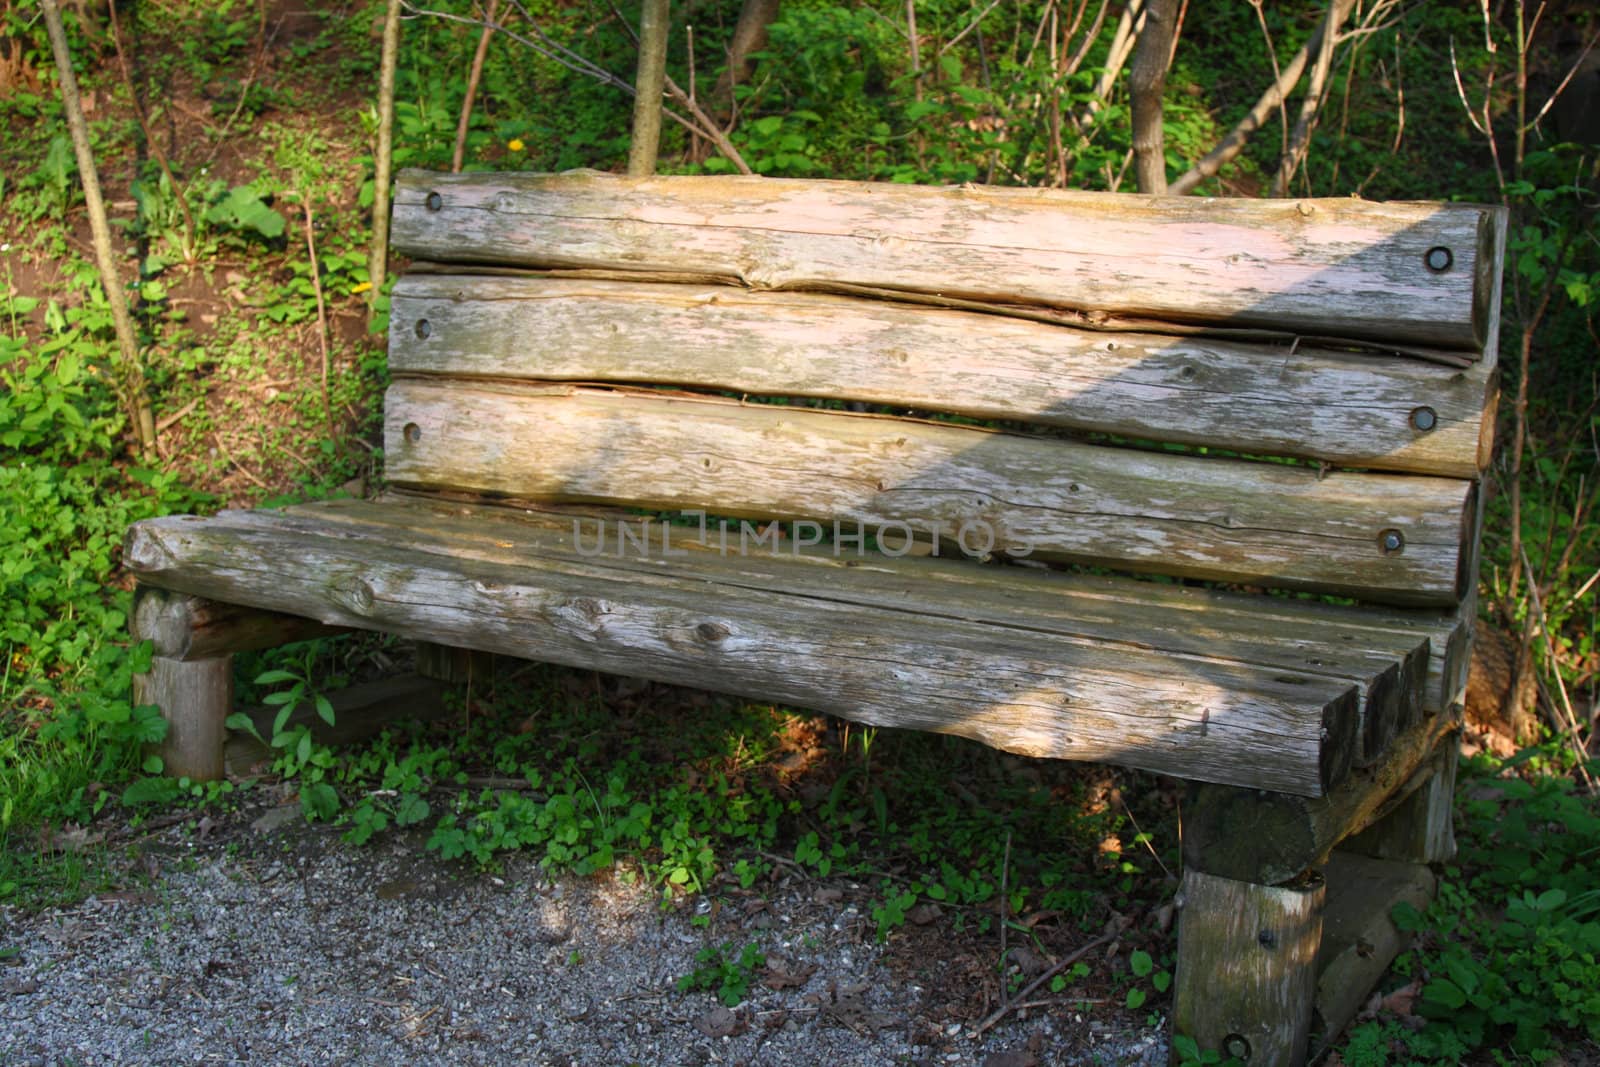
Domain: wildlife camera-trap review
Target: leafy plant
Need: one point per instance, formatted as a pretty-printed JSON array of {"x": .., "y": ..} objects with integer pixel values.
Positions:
[{"x": 721, "y": 972}]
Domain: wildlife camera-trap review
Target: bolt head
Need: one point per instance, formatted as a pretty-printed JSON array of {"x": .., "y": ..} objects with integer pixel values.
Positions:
[
  {"x": 435, "y": 202},
  {"x": 1438, "y": 259},
  {"x": 1424, "y": 419}
]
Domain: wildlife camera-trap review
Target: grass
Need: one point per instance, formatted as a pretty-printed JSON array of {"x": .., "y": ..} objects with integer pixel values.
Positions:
[{"x": 693, "y": 794}]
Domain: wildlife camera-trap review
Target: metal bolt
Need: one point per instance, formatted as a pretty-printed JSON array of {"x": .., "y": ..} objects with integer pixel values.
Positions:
[
  {"x": 424, "y": 329},
  {"x": 1391, "y": 542},
  {"x": 1236, "y": 1046},
  {"x": 435, "y": 202},
  {"x": 1438, "y": 259},
  {"x": 1266, "y": 938},
  {"x": 1187, "y": 374},
  {"x": 1424, "y": 419},
  {"x": 413, "y": 433}
]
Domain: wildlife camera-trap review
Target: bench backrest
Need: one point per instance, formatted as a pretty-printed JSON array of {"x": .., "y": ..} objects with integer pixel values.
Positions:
[{"x": 1295, "y": 394}]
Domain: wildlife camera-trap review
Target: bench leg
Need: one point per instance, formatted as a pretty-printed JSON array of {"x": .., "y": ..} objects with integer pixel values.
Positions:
[
  {"x": 1247, "y": 967},
  {"x": 454, "y": 666},
  {"x": 195, "y": 697},
  {"x": 191, "y": 675}
]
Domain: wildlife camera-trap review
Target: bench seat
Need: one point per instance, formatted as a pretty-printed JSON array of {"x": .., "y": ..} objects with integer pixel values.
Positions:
[{"x": 1168, "y": 678}]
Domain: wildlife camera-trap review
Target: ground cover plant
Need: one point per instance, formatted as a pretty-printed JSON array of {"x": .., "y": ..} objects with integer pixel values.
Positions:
[{"x": 235, "y": 142}]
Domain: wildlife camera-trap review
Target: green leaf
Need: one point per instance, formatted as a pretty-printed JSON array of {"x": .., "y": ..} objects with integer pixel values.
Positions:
[
  {"x": 1445, "y": 993},
  {"x": 302, "y": 751},
  {"x": 1140, "y": 963},
  {"x": 152, "y": 765},
  {"x": 244, "y": 724},
  {"x": 319, "y": 801},
  {"x": 1136, "y": 998},
  {"x": 150, "y": 791},
  {"x": 1162, "y": 981},
  {"x": 325, "y": 709},
  {"x": 273, "y": 677}
]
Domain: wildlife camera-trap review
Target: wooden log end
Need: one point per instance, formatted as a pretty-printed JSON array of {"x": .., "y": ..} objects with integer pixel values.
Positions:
[{"x": 1340, "y": 737}]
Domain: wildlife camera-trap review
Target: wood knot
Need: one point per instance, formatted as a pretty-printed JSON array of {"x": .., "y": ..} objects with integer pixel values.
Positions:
[
  {"x": 145, "y": 551},
  {"x": 353, "y": 594},
  {"x": 712, "y": 632}
]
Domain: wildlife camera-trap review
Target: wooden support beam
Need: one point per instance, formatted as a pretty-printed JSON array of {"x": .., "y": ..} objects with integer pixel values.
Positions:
[
  {"x": 455, "y": 666},
  {"x": 1271, "y": 837},
  {"x": 1247, "y": 956},
  {"x": 1419, "y": 829},
  {"x": 1359, "y": 939},
  {"x": 184, "y": 627}
]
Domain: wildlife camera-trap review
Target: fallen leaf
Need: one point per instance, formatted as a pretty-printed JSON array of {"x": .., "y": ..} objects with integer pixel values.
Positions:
[
  {"x": 781, "y": 974},
  {"x": 718, "y": 1022}
]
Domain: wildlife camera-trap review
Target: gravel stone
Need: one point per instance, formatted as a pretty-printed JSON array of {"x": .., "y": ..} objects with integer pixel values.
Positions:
[{"x": 264, "y": 941}]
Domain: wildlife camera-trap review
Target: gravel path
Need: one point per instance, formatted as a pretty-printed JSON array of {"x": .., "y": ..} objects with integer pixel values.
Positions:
[{"x": 260, "y": 940}]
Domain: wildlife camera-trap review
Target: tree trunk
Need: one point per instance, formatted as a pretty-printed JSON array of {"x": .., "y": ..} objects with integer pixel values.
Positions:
[
  {"x": 650, "y": 84},
  {"x": 749, "y": 37},
  {"x": 1147, "y": 80}
]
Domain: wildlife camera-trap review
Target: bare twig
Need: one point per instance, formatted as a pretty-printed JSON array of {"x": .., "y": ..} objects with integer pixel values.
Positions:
[
  {"x": 1272, "y": 99},
  {"x": 541, "y": 44},
  {"x": 322, "y": 310},
  {"x": 1005, "y": 866},
  {"x": 473, "y": 76},
  {"x": 1575, "y": 731},
  {"x": 1021, "y": 998}
]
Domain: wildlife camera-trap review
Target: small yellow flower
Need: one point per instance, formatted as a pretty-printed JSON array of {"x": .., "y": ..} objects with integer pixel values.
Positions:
[
  {"x": 515, "y": 144},
  {"x": 361, "y": 288}
]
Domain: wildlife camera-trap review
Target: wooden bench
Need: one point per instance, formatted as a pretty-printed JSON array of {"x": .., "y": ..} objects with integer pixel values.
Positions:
[{"x": 1075, "y": 475}]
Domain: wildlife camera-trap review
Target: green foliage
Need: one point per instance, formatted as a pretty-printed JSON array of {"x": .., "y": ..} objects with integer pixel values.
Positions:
[
  {"x": 721, "y": 972},
  {"x": 1510, "y": 949}
]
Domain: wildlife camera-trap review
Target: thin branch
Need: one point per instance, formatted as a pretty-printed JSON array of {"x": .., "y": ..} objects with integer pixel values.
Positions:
[
  {"x": 1021, "y": 998},
  {"x": 1311, "y": 104},
  {"x": 473, "y": 75},
  {"x": 1233, "y": 143},
  {"x": 541, "y": 44},
  {"x": 322, "y": 309},
  {"x": 151, "y": 141}
]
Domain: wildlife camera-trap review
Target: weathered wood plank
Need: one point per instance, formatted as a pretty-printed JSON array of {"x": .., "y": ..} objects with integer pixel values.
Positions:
[
  {"x": 1337, "y": 407},
  {"x": 1033, "y": 693},
  {"x": 190, "y": 628},
  {"x": 1273, "y": 837},
  {"x": 1390, "y": 538},
  {"x": 1290, "y": 636},
  {"x": 1359, "y": 939},
  {"x": 1343, "y": 268},
  {"x": 1247, "y": 973}
]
